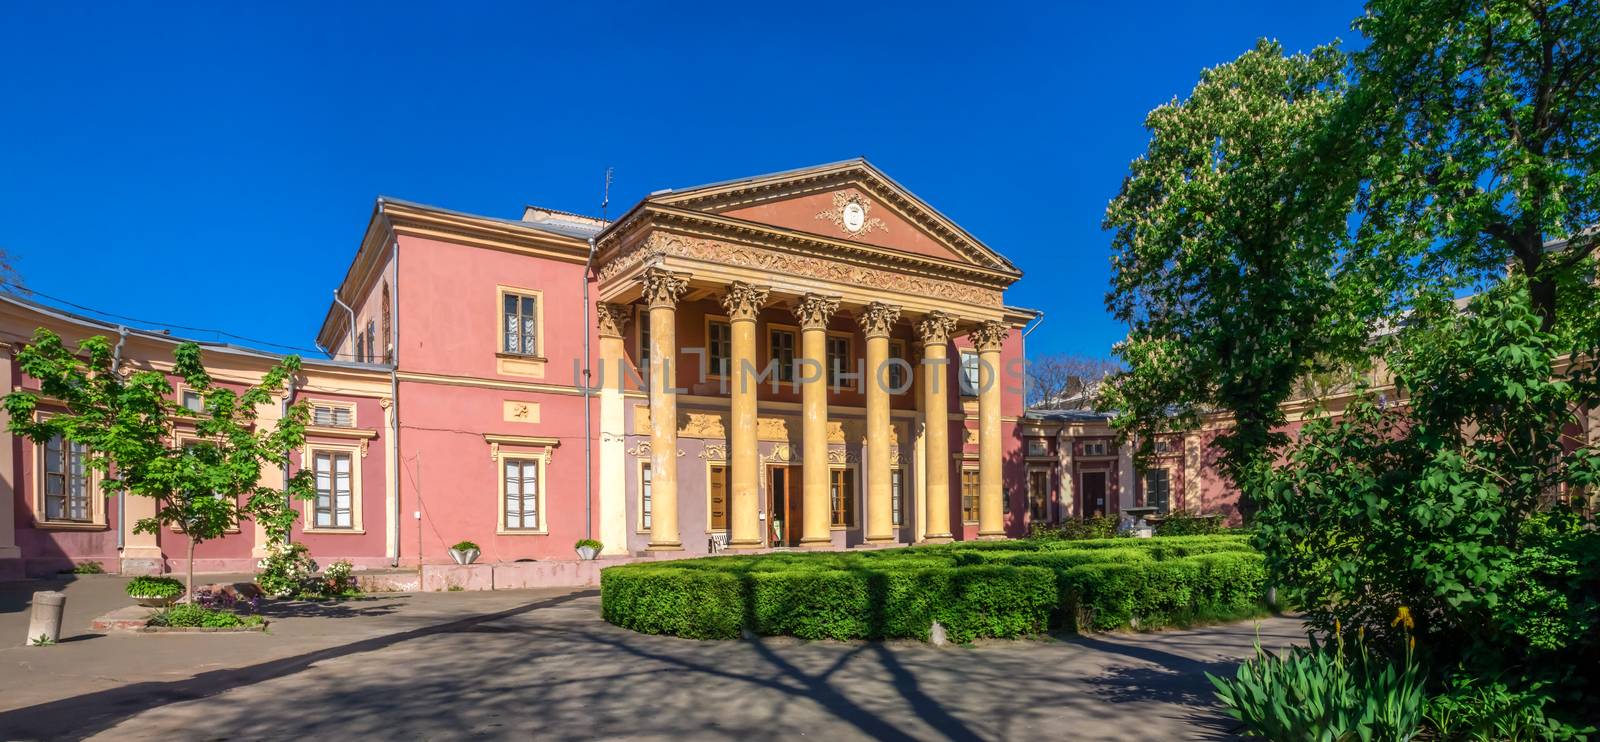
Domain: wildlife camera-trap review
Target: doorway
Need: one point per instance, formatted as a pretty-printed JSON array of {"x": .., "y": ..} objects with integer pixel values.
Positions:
[
  {"x": 1093, "y": 486},
  {"x": 783, "y": 505}
]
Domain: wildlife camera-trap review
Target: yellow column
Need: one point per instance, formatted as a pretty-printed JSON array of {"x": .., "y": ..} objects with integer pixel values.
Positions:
[
  {"x": 661, "y": 292},
  {"x": 743, "y": 302},
  {"x": 813, "y": 312},
  {"x": 986, "y": 339},
  {"x": 934, "y": 332},
  {"x": 876, "y": 321},
  {"x": 613, "y": 318}
]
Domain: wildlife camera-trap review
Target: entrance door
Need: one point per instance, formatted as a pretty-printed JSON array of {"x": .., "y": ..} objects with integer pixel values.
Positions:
[
  {"x": 1093, "y": 504},
  {"x": 783, "y": 505}
]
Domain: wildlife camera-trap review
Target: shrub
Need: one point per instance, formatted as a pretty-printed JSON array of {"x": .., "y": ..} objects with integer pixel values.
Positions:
[
  {"x": 285, "y": 570},
  {"x": 1104, "y": 526},
  {"x": 199, "y": 616},
  {"x": 86, "y": 568},
  {"x": 974, "y": 590},
  {"x": 154, "y": 587},
  {"x": 1318, "y": 693},
  {"x": 1485, "y": 709},
  {"x": 465, "y": 546},
  {"x": 697, "y": 604}
]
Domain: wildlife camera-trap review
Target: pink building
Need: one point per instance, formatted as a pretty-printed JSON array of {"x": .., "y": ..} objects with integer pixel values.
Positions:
[{"x": 525, "y": 383}]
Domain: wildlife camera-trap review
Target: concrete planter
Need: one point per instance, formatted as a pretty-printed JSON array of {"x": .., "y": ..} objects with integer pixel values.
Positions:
[
  {"x": 464, "y": 556},
  {"x": 153, "y": 602},
  {"x": 588, "y": 553}
]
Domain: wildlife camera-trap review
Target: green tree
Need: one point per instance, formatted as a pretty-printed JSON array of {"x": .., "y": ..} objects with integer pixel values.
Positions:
[
  {"x": 1454, "y": 497},
  {"x": 203, "y": 487},
  {"x": 1233, "y": 265},
  {"x": 1485, "y": 115}
]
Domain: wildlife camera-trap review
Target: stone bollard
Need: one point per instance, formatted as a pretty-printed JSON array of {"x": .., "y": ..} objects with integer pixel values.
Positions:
[{"x": 46, "y": 620}]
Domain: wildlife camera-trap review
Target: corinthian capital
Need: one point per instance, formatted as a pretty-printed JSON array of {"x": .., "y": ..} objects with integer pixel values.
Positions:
[
  {"x": 935, "y": 328},
  {"x": 876, "y": 319},
  {"x": 988, "y": 336},
  {"x": 612, "y": 318},
  {"x": 814, "y": 310},
  {"x": 662, "y": 288},
  {"x": 743, "y": 301}
]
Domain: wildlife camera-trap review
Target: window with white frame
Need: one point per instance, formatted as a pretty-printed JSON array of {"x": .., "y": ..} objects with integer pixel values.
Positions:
[
  {"x": 192, "y": 401},
  {"x": 66, "y": 481},
  {"x": 838, "y": 359},
  {"x": 896, "y": 497},
  {"x": 842, "y": 498},
  {"x": 971, "y": 379},
  {"x": 1158, "y": 489},
  {"x": 1094, "y": 448},
  {"x": 522, "y": 494},
  {"x": 334, "y": 494},
  {"x": 333, "y": 415},
  {"x": 519, "y": 330}
]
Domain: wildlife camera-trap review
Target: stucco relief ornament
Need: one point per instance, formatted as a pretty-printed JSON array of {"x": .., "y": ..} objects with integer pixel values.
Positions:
[{"x": 852, "y": 213}]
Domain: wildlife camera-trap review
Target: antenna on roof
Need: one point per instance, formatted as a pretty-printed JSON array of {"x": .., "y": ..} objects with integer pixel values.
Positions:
[{"x": 605, "y": 199}]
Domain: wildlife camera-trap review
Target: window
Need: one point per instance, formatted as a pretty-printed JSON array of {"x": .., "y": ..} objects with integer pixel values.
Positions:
[
  {"x": 1094, "y": 448},
  {"x": 644, "y": 497},
  {"x": 1039, "y": 495},
  {"x": 66, "y": 481},
  {"x": 1157, "y": 489},
  {"x": 644, "y": 344},
  {"x": 1038, "y": 447},
  {"x": 522, "y": 494},
  {"x": 717, "y": 493},
  {"x": 719, "y": 347},
  {"x": 519, "y": 332},
  {"x": 838, "y": 359},
  {"x": 897, "y": 372},
  {"x": 361, "y": 347},
  {"x": 1164, "y": 445},
  {"x": 842, "y": 497},
  {"x": 334, "y": 496},
  {"x": 333, "y": 415},
  {"x": 388, "y": 334},
  {"x": 372, "y": 341},
  {"x": 969, "y": 495},
  {"x": 970, "y": 379},
  {"x": 781, "y": 344},
  {"x": 896, "y": 496},
  {"x": 192, "y": 401}
]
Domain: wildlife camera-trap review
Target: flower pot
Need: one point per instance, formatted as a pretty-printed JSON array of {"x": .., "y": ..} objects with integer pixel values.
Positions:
[
  {"x": 152, "y": 602},
  {"x": 466, "y": 556},
  {"x": 587, "y": 553}
]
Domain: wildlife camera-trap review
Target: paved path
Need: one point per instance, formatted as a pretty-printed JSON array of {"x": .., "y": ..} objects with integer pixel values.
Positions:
[{"x": 521, "y": 664}]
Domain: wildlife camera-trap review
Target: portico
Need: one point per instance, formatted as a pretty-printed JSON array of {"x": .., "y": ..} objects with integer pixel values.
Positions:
[{"x": 807, "y": 319}]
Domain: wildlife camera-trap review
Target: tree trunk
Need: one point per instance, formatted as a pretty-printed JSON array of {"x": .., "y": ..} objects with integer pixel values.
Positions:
[
  {"x": 189, "y": 574},
  {"x": 1542, "y": 292}
]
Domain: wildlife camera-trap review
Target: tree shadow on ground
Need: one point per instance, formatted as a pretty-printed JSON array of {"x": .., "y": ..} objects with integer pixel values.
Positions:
[{"x": 364, "y": 606}]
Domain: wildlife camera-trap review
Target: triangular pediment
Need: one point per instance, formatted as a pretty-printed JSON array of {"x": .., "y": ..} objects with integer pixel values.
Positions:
[{"x": 850, "y": 201}]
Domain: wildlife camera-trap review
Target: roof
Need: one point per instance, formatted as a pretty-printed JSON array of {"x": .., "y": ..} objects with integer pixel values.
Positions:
[
  {"x": 1068, "y": 416},
  {"x": 563, "y": 227},
  {"x": 163, "y": 336}
]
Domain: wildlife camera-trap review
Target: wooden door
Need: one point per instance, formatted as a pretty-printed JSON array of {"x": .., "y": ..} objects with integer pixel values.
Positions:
[
  {"x": 1093, "y": 504},
  {"x": 783, "y": 505}
]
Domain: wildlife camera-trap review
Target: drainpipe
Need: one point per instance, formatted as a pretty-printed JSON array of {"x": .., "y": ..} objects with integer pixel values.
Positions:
[
  {"x": 588, "y": 395},
  {"x": 1039, "y": 320},
  {"x": 394, "y": 403},
  {"x": 352, "y": 337},
  {"x": 122, "y": 497}
]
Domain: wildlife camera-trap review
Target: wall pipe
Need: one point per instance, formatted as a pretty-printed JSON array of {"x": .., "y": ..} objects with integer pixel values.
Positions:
[
  {"x": 352, "y": 337},
  {"x": 588, "y": 397},
  {"x": 394, "y": 402},
  {"x": 1038, "y": 320}
]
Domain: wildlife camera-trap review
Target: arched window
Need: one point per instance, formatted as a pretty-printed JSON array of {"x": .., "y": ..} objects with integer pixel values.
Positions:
[{"x": 388, "y": 336}]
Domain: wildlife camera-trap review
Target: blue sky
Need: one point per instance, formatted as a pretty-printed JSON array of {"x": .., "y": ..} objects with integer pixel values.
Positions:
[{"x": 213, "y": 165}]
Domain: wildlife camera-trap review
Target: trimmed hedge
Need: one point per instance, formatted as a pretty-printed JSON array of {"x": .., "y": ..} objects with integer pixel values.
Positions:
[{"x": 974, "y": 589}]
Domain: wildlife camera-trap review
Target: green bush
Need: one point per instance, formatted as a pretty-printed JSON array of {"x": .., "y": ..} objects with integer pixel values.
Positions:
[
  {"x": 1104, "y": 526},
  {"x": 651, "y": 599},
  {"x": 198, "y": 616},
  {"x": 1185, "y": 523},
  {"x": 154, "y": 587},
  {"x": 975, "y": 590}
]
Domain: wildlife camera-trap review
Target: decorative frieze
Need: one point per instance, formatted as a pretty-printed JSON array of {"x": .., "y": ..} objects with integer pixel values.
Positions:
[{"x": 660, "y": 244}]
